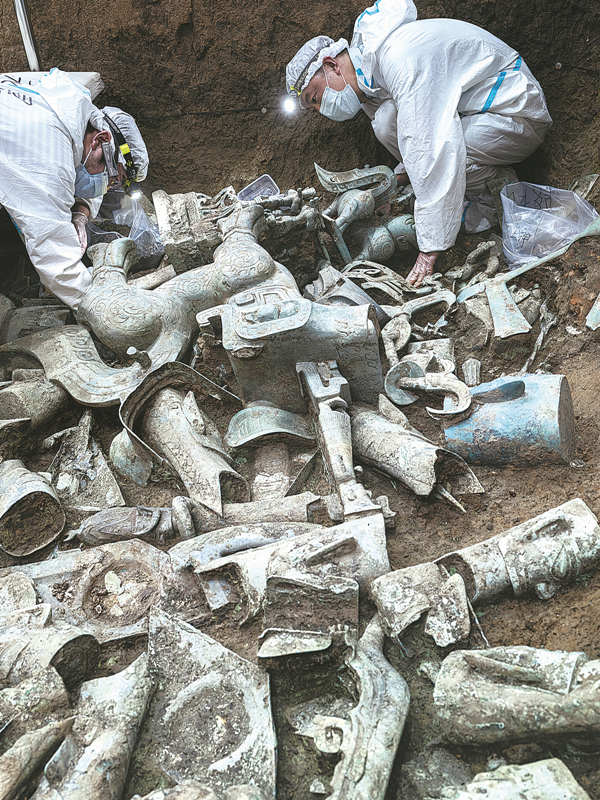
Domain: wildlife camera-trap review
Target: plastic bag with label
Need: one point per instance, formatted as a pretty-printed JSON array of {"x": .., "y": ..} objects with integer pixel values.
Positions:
[{"x": 538, "y": 220}]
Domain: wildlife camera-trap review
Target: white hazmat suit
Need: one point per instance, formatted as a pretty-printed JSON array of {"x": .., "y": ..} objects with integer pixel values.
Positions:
[
  {"x": 448, "y": 99},
  {"x": 41, "y": 142}
]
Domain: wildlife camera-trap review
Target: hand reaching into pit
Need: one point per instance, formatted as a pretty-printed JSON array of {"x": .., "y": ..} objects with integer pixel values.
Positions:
[{"x": 422, "y": 268}]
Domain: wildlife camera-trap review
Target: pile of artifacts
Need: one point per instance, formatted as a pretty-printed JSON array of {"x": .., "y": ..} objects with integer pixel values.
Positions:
[{"x": 271, "y": 531}]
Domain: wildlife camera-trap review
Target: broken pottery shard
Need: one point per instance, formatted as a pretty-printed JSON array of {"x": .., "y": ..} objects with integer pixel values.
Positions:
[
  {"x": 511, "y": 694},
  {"x": 93, "y": 760},
  {"x": 31, "y": 702},
  {"x": 552, "y": 548},
  {"x": 187, "y": 438},
  {"x": 543, "y": 780},
  {"x": 527, "y": 419},
  {"x": 25, "y": 758},
  {"x": 30, "y": 512},
  {"x": 225, "y": 565},
  {"x": 368, "y": 738},
  {"x": 403, "y": 596},
  {"x": 16, "y": 591},
  {"x": 31, "y": 641},
  {"x": 80, "y": 473},
  {"x": 211, "y": 716},
  {"x": 398, "y": 450},
  {"x": 107, "y": 591}
]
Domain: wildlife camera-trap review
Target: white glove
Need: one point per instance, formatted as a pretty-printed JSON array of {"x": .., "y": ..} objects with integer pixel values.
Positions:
[{"x": 79, "y": 221}]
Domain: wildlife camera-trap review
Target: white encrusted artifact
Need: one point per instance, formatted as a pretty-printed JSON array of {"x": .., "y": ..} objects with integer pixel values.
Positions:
[
  {"x": 211, "y": 716},
  {"x": 543, "y": 780},
  {"x": 367, "y": 740},
  {"x": 538, "y": 556},
  {"x": 511, "y": 694},
  {"x": 93, "y": 760},
  {"x": 106, "y": 591},
  {"x": 31, "y": 641}
]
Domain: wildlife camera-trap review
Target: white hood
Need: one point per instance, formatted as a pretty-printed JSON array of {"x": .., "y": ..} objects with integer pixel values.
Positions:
[{"x": 372, "y": 28}]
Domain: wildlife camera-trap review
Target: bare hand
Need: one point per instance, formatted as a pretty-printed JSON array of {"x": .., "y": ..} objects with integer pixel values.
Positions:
[{"x": 422, "y": 268}]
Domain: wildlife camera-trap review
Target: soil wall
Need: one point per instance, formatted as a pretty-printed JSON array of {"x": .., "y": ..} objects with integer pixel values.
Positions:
[{"x": 205, "y": 78}]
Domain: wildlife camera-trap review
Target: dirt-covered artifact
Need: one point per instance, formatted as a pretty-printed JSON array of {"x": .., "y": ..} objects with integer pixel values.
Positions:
[
  {"x": 80, "y": 472},
  {"x": 192, "y": 790},
  {"x": 235, "y": 562},
  {"x": 20, "y": 763},
  {"x": 185, "y": 519},
  {"x": 537, "y": 556},
  {"x": 385, "y": 440},
  {"x": 31, "y": 515},
  {"x": 543, "y": 780},
  {"x": 94, "y": 758},
  {"x": 32, "y": 702},
  {"x": 31, "y": 641},
  {"x": 366, "y": 740},
  {"x": 211, "y": 715},
  {"x": 510, "y": 694},
  {"x": 106, "y": 591},
  {"x": 29, "y": 403}
]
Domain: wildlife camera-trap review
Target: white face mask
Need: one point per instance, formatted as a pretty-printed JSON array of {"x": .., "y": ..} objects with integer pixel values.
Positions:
[
  {"x": 339, "y": 105},
  {"x": 88, "y": 186}
]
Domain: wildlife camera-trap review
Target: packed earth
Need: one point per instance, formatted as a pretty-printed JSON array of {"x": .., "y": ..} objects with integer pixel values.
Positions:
[{"x": 275, "y": 522}]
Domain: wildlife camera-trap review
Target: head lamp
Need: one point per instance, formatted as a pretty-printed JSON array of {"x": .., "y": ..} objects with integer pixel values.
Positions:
[{"x": 123, "y": 148}]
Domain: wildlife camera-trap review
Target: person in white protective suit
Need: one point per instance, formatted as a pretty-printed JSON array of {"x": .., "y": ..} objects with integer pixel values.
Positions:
[
  {"x": 451, "y": 101},
  {"x": 58, "y": 155}
]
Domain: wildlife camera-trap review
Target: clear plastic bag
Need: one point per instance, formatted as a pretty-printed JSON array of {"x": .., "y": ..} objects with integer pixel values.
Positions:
[
  {"x": 540, "y": 219},
  {"x": 145, "y": 234},
  {"x": 96, "y": 235}
]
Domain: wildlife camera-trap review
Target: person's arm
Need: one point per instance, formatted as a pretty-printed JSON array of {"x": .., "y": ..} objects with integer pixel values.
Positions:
[
  {"x": 80, "y": 214},
  {"x": 54, "y": 249},
  {"x": 431, "y": 142}
]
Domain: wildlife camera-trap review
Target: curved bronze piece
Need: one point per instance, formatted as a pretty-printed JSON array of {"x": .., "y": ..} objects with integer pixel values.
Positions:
[
  {"x": 158, "y": 324},
  {"x": 384, "y": 178}
]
